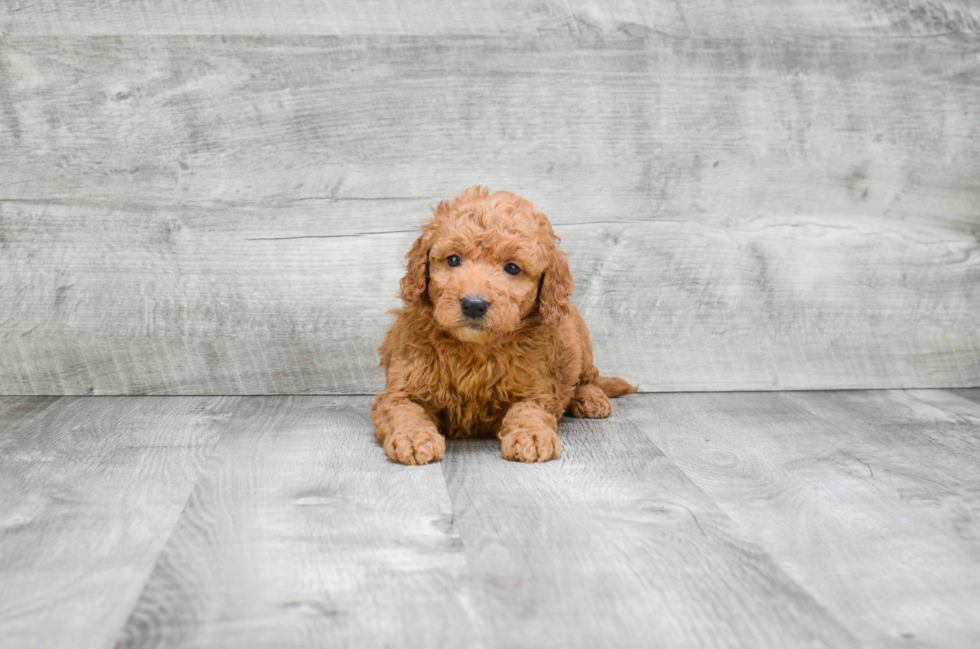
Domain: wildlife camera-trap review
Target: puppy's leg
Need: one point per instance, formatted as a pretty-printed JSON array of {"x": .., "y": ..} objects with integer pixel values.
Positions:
[
  {"x": 406, "y": 431},
  {"x": 529, "y": 433},
  {"x": 590, "y": 402}
]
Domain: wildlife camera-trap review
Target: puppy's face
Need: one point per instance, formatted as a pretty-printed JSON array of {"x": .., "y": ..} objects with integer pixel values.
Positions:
[
  {"x": 483, "y": 282},
  {"x": 485, "y": 264}
]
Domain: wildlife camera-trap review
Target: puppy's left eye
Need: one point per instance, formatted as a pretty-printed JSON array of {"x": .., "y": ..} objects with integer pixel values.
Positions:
[{"x": 512, "y": 269}]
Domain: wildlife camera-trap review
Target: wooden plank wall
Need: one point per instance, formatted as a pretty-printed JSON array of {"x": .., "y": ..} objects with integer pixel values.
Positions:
[{"x": 215, "y": 197}]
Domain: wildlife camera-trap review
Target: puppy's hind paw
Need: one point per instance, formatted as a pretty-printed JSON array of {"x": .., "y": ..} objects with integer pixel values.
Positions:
[
  {"x": 590, "y": 402},
  {"x": 415, "y": 446}
]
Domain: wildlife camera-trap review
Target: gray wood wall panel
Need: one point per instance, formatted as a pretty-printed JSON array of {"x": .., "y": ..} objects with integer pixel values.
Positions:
[
  {"x": 831, "y": 303},
  {"x": 719, "y": 19},
  {"x": 200, "y": 215},
  {"x": 589, "y": 128}
]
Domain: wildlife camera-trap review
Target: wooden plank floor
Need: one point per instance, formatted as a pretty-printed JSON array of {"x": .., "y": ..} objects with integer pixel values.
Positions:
[{"x": 832, "y": 519}]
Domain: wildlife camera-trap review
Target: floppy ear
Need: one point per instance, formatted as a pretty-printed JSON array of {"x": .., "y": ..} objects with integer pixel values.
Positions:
[
  {"x": 557, "y": 286},
  {"x": 415, "y": 283}
]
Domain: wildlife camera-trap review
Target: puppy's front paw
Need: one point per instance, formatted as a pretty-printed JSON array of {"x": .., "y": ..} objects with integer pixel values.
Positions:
[
  {"x": 415, "y": 446},
  {"x": 530, "y": 444}
]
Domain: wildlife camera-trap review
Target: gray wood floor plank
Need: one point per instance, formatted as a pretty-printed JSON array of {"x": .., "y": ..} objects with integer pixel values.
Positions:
[
  {"x": 760, "y": 21},
  {"x": 868, "y": 499},
  {"x": 969, "y": 394},
  {"x": 302, "y": 533},
  {"x": 817, "y": 519},
  {"x": 613, "y": 546},
  {"x": 738, "y": 216},
  {"x": 89, "y": 491},
  {"x": 22, "y": 408}
]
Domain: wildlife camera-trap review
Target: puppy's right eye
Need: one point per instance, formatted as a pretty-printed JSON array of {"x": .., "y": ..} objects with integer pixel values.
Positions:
[{"x": 454, "y": 260}]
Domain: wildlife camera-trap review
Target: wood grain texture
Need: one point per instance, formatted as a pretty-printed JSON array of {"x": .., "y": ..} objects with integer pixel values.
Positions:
[
  {"x": 868, "y": 499},
  {"x": 284, "y": 17},
  {"x": 970, "y": 395},
  {"x": 613, "y": 546},
  {"x": 186, "y": 215},
  {"x": 770, "y": 519},
  {"x": 301, "y": 533},
  {"x": 89, "y": 491},
  {"x": 672, "y": 304},
  {"x": 764, "y": 20},
  {"x": 590, "y": 128},
  {"x": 772, "y": 20}
]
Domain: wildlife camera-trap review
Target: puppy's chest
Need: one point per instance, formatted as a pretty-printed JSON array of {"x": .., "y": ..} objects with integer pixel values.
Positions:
[{"x": 473, "y": 395}]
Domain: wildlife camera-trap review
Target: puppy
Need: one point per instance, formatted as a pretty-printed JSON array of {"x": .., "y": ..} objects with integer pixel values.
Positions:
[{"x": 489, "y": 342}]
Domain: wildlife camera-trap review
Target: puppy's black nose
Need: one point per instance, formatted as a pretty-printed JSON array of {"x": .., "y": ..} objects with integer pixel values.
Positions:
[{"x": 474, "y": 307}]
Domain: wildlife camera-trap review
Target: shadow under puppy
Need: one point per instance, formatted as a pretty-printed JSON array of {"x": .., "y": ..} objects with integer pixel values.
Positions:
[{"x": 489, "y": 342}]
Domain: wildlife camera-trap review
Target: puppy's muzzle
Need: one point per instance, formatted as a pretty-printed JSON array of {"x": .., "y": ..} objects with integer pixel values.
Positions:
[{"x": 473, "y": 307}]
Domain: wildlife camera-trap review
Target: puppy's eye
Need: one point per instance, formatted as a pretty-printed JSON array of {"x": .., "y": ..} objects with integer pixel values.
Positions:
[
  {"x": 512, "y": 269},
  {"x": 454, "y": 260}
]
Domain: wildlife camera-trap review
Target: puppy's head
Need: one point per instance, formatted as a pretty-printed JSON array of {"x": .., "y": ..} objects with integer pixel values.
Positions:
[{"x": 485, "y": 265}]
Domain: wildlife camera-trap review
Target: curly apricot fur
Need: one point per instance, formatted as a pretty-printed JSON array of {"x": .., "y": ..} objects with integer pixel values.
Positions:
[{"x": 512, "y": 373}]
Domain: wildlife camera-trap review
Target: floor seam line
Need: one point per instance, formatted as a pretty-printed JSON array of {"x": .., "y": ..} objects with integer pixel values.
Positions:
[
  {"x": 746, "y": 536},
  {"x": 177, "y": 519}
]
